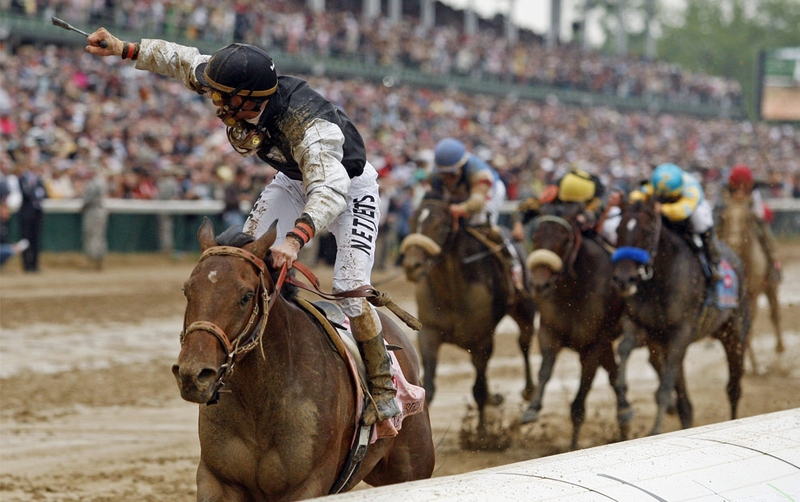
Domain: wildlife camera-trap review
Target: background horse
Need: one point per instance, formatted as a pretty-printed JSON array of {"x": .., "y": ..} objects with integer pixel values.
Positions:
[
  {"x": 665, "y": 290},
  {"x": 579, "y": 308},
  {"x": 463, "y": 290},
  {"x": 735, "y": 228},
  {"x": 286, "y": 417}
]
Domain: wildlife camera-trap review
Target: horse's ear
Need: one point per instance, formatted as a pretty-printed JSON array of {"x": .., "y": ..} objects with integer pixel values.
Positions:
[
  {"x": 263, "y": 243},
  {"x": 205, "y": 235}
]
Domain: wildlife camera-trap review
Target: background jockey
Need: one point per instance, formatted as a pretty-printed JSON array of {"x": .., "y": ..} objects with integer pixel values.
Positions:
[
  {"x": 680, "y": 199},
  {"x": 577, "y": 187},
  {"x": 739, "y": 187},
  {"x": 477, "y": 192},
  {"x": 462, "y": 177}
]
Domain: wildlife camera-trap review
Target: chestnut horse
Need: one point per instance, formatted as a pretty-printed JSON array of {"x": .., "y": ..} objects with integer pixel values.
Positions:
[
  {"x": 284, "y": 422},
  {"x": 579, "y": 308},
  {"x": 463, "y": 290},
  {"x": 667, "y": 296},
  {"x": 735, "y": 227}
]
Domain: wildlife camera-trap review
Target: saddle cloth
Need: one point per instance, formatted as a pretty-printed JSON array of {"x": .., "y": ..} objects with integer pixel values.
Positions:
[
  {"x": 410, "y": 397},
  {"x": 728, "y": 287}
]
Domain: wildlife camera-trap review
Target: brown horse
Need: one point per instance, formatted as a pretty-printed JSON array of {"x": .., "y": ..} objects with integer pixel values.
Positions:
[
  {"x": 463, "y": 290},
  {"x": 284, "y": 422},
  {"x": 666, "y": 295},
  {"x": 579, "y": 308},
  {"x": 735, "y": 227}
]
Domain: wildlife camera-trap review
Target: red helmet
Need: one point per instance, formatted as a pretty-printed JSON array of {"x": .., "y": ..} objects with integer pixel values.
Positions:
[{"x": 740, "y": 176}]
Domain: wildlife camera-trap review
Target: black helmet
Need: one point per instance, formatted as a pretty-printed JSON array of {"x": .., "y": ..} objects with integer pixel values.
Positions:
[{"x": 241, "y": 69}]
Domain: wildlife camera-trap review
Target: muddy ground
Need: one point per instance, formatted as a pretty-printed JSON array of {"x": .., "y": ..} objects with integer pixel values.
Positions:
[{"x": 89, "y": 410}]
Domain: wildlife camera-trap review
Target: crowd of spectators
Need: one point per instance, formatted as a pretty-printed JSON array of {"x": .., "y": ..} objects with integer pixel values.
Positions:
[
  {"x": 289, "y": 26},
  {"x": 73, "y": 114}
]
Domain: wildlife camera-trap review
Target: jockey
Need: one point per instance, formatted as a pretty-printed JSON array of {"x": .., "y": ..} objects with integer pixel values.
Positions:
[
  {"x": 680, "y": 199},
  {"x": 577, "y": 187},
  {"x": 739, "y": 187},
  {"x": 461, "y": 176},
  {"x": 324, "y": 179}
]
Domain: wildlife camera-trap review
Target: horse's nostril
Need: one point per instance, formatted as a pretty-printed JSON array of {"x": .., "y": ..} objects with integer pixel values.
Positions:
[{"x": 206, "y": 374}]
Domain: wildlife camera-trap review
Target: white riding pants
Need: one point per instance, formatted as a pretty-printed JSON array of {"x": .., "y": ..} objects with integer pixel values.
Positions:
[{"x": 355, "y": 230}]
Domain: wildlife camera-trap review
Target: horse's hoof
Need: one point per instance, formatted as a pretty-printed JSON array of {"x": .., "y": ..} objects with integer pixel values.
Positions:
[
  {"x": 530, "y": 416},
  {"x": 625, "y": 415},
  {"x": 496, "y": 400}
]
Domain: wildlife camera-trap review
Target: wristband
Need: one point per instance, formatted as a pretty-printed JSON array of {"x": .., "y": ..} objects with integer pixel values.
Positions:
[
  {"x": 128, "y": 50},
  {"x": 296, "y": 237}
]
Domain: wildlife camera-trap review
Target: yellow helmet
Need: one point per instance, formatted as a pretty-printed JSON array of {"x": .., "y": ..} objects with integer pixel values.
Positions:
[{"x": 576, "y": 186}]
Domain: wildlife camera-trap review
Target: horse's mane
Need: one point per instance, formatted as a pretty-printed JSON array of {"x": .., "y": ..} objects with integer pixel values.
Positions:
[{"x": 236, "y": 238}]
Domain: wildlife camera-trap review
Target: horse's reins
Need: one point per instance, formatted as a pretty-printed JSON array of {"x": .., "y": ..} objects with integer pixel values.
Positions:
[{"x": 253, "y": 336}]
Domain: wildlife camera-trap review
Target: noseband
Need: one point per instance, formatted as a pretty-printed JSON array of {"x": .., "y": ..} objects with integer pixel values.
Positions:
[
  {"x": 644, "y": 258},
  {"x": 251, "y": 335}
]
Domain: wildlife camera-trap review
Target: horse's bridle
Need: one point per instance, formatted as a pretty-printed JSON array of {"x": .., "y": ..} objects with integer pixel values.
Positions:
[
  {"x": 251, "y": 335},
  {"x": 575, "y": 240},
  {"x": 645, "y": 269}
]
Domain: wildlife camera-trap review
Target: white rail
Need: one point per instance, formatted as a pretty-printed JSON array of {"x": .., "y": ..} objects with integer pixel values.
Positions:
[{"x": 751, "y": 459}]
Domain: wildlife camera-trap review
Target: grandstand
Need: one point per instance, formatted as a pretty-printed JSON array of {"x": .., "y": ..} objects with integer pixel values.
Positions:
[{"x": 531, "y": 110}]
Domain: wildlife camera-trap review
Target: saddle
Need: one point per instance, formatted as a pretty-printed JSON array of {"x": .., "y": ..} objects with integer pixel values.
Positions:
[{"x": 411, "y": 397}]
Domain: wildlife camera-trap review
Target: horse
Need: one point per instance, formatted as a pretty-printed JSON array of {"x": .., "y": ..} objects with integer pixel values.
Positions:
[
  {"x": 579, "y": 308},
  {"x": 463, "y": 291},
  {"x": 281, "y": 426},
  {"x": 735, "y": 227},
  {"x": 664, "y": 286}
]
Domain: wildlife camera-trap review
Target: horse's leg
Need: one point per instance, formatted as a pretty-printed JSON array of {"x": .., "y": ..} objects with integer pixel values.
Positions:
[
  {"x": 590, "y": 360},
  {"x": 683, "y": 404},
  {"x": 523, "y": 316},
  {"x": 630, "y": 340},
  {"x": 429, "y": 343},
  {"x": 210, "y": 489},
  {"x": 549, "y": 347},
  {"x": 671, "y": 367},
  {"x": 752, "y": 299},
  {"x": 620, "y": 386},
  {"x": 480, "y": 390},
  {"x": 771, "y": 291},
  {"x": 732, "y": 335}
]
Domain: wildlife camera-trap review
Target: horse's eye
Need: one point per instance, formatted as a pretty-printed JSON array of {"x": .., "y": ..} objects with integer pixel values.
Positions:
[{"x": 247, "y": 297}]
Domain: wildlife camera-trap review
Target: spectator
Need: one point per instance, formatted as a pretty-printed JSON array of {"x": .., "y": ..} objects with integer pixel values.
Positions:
[
  {"x": 95, "y": 218},
  {"x": 31, "y": 213}
]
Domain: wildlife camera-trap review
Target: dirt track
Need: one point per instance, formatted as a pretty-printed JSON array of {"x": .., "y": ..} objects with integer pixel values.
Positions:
[{"x": 90, "y": 412}]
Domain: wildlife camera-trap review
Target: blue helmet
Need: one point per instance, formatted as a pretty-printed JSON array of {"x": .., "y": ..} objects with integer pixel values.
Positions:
[
  {"x": 449, "y": 156},
  {"x": 667, "y": 180}
]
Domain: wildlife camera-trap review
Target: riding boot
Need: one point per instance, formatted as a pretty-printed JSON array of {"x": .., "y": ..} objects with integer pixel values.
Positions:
[
  {"x": 712, "y": 253},
  {"x": 382, "y": 405}
]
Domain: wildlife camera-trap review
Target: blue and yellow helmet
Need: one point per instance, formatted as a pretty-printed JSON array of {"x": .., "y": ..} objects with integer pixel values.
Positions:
[{"x": 667, "y": 180}]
